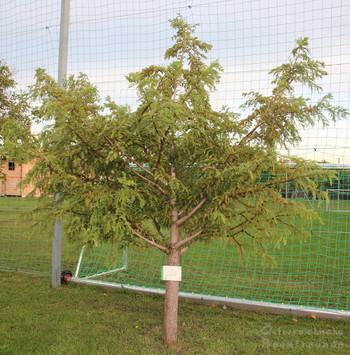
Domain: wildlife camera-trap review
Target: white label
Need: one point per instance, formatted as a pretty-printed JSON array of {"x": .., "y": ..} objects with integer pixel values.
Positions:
[{"x": 171, "y": 273}]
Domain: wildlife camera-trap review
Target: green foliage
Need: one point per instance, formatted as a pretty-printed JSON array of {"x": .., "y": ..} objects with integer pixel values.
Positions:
[
  {"x": 128, "y": 176},
  {"x": 14, "y": 120},
  {"x": 6, "y": 84},
  {"x": 279, "y": 117}
]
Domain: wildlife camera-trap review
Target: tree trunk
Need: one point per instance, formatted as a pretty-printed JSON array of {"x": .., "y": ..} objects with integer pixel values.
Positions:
[
  {"x": 172, "y": 294},
  {"x": 171, "y": 304}
]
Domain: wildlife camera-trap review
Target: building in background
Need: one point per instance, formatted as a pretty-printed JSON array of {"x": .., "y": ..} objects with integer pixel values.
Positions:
[{"x": 15, "y": 173}]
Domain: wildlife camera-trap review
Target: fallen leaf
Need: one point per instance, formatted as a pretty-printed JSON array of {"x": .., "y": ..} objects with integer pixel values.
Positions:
[
  {"x": 213, "y": 305},
  {"x": 184, "y": 324},
  {"x": 312, "y": 315},
  {"x": 224, "y": 307},
  {"x": 294, "y": 320}
]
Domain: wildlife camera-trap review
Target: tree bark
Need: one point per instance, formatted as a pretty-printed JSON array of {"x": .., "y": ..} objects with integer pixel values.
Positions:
[{"x": 172, "y": 294}]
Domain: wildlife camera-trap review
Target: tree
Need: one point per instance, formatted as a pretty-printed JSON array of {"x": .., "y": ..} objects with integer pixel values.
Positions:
[
  {"x": 176, "y": 171},
  {"x": 14, "y": 121},
  {"x": 6, "y": 83}
]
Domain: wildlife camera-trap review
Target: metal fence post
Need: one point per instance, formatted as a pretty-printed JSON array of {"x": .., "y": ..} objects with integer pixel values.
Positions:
[{"x": 62, "y": 73}]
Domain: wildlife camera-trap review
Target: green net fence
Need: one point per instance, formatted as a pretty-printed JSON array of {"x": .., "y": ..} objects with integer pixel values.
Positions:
[
  {"x": 24, "y": 246},
  {"x": 108, "y": 40},
  {"x": 313, "y": 273}
]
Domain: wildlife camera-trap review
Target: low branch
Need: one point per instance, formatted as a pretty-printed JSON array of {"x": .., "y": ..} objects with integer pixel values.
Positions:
[
  {"x": 151, "y": 242},
  {"x": 192, "y": 237},
  {"x": 187, "y": 239},
  {"x": 194, "y": 210},
  {"x": 189, "y": 204},
  {"x": 183, "y": 250}
]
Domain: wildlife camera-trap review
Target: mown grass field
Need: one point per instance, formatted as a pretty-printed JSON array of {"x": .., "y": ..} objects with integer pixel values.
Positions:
[
  {"x": 315, "y": 273},
  {"x": 77, "y": 319}
]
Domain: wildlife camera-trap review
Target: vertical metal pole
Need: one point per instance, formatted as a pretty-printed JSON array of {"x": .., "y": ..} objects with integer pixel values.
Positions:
[
  {"x": 56, "y": 252},
  {"x": 62, "y": 73},
  {"x": 63, "y": 49},
  {"x": 339, "y": 185}
]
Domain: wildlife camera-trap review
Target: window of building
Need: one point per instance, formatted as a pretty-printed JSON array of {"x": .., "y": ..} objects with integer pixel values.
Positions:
[{"x": 11, "y": 165}]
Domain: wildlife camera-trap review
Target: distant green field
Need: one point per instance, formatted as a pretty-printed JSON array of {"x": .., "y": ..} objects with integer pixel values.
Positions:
[{"x": 314, "y": 273}]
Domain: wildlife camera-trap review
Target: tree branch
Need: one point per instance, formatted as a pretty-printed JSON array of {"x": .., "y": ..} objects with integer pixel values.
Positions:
[
  {"x": 89, "y": 146},
  {"x": 151, "y": 242},
  {"x": 192, "y": 237},
  {"x": 132, "y": 160},
  {"x": 183, "y": 250},
  {"x": 161, "y": 148},
  {"x": 240, "y": 144},
  {"x": 188, "y": 239},
  {"x": 145, "y": 179},
  {"x": 194, "y": 210},
  {"x": 158, "y": 228},
  {"x": 136, "y": 163},
  {"x": 134, "y": 226}
]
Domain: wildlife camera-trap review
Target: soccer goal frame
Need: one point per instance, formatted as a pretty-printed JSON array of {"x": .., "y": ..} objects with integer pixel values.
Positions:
[
  {"x": 275, "y": 308},
  {"x": 78, "y": 268},
  {"x": 232, "y": 302}
]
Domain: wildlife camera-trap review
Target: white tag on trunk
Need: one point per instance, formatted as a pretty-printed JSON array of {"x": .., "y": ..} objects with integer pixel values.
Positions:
[{"x": 171, "y": 273}]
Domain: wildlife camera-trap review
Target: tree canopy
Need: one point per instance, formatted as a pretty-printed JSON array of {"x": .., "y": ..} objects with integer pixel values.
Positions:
[{"x": 118, "y": 169}]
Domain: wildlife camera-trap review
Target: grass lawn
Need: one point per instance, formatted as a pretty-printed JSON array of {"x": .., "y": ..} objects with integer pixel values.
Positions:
[{"x": 78, "y": 319}]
